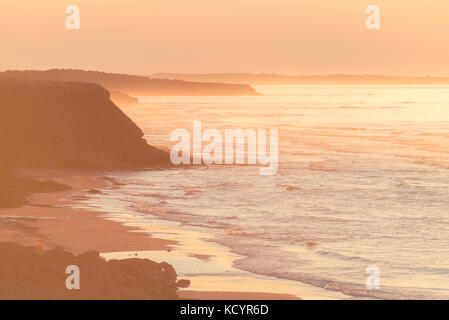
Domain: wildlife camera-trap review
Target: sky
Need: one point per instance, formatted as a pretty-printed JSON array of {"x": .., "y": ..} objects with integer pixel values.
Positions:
[{"x": 204, "y": 36}]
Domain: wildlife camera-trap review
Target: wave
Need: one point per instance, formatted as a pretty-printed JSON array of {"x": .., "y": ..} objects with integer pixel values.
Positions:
[
  {"x": 343, "y": 257},
  {"x": 347, "y": 288}
]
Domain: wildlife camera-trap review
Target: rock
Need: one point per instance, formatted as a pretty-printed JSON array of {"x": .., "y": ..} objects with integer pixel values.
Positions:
[
  {"x": 183, "y": 283},
  {"x": 14, "y": 191},
  {"x": 69, "y": 125},
  {"x": 29, "y": 273}
]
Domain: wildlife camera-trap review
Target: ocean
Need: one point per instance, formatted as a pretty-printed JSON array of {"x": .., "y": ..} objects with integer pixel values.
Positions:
[{"x": 362, "y": 182}]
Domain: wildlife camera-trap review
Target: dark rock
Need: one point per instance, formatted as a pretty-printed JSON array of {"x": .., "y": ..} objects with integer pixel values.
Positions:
[
  {"x": 14, "y": 191},
  {"x": 69, "y": 125},
  {"x": 31, "y": 273},
  {"x": 183, "y": 283}
]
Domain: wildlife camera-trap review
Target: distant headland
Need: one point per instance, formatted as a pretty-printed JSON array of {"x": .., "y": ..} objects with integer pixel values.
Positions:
[
  {"x": 272, "y": 79},
  {"x": 135, "y": 85}
]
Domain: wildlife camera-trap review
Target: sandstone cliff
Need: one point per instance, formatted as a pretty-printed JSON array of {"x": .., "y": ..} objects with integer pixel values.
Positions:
[{"x": 69, "y": 125}]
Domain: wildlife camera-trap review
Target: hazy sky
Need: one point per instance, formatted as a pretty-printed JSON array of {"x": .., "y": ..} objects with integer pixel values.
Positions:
[{"x": 281, "y": 36}]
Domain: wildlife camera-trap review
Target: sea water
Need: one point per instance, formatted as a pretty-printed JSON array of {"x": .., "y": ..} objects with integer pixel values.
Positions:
[{"x": 362, "y": 181}]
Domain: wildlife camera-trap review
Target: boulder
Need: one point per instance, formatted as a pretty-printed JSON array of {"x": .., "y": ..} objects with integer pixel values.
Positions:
[{"x": 33, "y": 273}]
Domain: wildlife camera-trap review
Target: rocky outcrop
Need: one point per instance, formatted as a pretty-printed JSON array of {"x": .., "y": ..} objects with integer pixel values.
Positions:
[
  {"x": 136, "y": 85},
  {"x": 31, "y": 273},
  {"x": 69, "y": 125},
  {"x": 14, "y": 191}
]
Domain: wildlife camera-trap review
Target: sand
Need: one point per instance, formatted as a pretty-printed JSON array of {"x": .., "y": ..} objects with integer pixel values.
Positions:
[
  {"x": 227, "y": 295},
  {"x": 43, "y": 222},
  {"x": 49, "y": 221}
]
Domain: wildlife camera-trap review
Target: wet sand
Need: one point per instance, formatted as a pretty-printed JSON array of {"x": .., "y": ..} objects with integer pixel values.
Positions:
[
  {"x": 226, "y": 295},
  {"x": 49, "y": 221},
  {"x": 44, "y": 222}
]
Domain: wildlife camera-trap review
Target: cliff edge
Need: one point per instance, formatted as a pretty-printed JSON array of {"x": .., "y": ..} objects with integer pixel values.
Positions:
[{"x": 69, "y": 125}]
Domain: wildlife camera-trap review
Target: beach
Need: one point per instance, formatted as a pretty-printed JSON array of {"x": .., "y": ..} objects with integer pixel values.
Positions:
[
  {"x": 352, "y": 187},
  {"x": 49, "y": 221},
  {"x": 362, "y": 171},
  {"x": 224, "y": 150}
]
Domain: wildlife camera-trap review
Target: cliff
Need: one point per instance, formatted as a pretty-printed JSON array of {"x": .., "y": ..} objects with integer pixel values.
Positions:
[
  {"x": 135, "y": 85},
  {"x": 69, "y": 125}
]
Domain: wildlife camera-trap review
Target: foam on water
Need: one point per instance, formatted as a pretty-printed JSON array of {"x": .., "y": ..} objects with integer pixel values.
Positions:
[{"x": 363, "y": 180}]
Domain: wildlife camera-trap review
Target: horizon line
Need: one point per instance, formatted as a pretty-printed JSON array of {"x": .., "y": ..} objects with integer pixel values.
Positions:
[{"x": 234, "y": 73}]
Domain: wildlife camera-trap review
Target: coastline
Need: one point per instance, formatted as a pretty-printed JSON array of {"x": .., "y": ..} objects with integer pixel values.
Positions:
[
  {"x": 52, "y": 220},
  {"x": 49, "y": 221}
]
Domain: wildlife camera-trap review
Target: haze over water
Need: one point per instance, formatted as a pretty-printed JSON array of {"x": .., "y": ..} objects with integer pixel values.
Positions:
[{"x": 363, "y": 180}]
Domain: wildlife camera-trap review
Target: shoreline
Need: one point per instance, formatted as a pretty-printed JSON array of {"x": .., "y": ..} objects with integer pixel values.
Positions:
[
  {"x": 49, "y": 221},
  {"x": 52, "y": 220}
]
